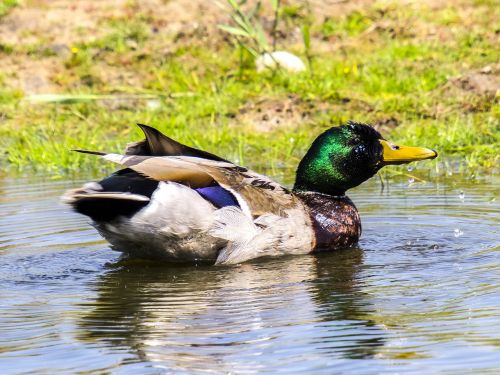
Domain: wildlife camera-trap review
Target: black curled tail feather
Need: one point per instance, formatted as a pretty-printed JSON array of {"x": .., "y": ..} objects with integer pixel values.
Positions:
[
  {"x": 105, "y": 209},
  {"x": 123, "y": 193}
]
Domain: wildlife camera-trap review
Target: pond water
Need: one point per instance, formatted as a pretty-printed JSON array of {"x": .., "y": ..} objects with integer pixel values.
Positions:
[{"x": 421, "y": 293}]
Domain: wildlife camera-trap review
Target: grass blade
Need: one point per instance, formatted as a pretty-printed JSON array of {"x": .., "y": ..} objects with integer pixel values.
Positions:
[{"x": 234, "y": 30}]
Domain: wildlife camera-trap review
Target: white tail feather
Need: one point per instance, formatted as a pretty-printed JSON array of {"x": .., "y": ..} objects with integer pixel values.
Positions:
[
  {"x": 94, "y": 190},
  {"x": 98, "y": 195},
  {"x": 115, "y": 158}
]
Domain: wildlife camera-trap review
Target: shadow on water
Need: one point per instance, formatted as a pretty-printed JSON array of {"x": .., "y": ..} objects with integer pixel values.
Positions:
[{"x": 209, "y": 317}]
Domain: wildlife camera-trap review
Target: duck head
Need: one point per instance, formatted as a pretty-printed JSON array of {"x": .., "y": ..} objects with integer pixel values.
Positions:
[{"x": 345, "y": 156}]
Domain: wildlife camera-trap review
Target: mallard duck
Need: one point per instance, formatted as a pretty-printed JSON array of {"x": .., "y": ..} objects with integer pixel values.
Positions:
[{"x": 177, "y": 203}]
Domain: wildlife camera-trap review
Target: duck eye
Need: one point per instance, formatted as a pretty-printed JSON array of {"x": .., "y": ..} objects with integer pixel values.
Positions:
[
  {"x": 360, "y": 149},
  {"x": 395, "y": 147}
]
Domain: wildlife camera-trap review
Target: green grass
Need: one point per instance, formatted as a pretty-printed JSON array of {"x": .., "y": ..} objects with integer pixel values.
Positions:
[
  {"x": 201, "y": 89},
  {"x": 352, "y": 25},
  {"x": 6, "y": 6}
]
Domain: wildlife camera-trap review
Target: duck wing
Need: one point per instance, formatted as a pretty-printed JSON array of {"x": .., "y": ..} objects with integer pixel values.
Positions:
[
  {"x": 256, "y": 194},
  {"x": 158, "y": 144}
]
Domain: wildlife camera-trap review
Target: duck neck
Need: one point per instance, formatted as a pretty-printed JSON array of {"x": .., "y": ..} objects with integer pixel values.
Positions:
[{"x": 318, "y": 176}]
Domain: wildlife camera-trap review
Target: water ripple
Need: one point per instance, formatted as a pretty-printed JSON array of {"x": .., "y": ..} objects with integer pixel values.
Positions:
[{"x": 420, "y": 294}]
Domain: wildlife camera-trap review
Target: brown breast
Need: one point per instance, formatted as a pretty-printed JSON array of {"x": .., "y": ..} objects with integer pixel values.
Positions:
[{"x": 335, "y": 220}]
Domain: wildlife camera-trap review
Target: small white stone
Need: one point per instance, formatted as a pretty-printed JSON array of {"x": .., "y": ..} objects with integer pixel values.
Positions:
[
  {"x": 153, "y": 104},
  {"x": 283, "y": 59}
]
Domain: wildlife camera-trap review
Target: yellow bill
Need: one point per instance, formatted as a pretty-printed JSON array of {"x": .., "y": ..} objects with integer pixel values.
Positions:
[{"x": 395, "y": 154}]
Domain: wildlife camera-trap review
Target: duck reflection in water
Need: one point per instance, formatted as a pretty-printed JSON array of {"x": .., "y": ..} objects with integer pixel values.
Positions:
[{"x": 282, "y": 312}]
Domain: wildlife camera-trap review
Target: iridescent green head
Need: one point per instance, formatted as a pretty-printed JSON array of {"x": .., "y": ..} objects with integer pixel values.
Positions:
[{"x": 345, "y": 156}]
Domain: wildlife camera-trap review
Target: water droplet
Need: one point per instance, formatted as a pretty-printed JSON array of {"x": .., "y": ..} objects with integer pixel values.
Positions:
[
  {"x": 435, "y": 247},
  {"x": 410, "y": 168},
  {"x": 450, "y": 173},
  {"x": 457, "y": 232},
  {"x": 411, "y": 180},
  {"x": 408, "y": 243}
]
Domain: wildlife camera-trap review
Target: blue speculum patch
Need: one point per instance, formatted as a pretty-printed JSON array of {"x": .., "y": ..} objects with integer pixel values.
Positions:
[{"x": 218, "y": 196}]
